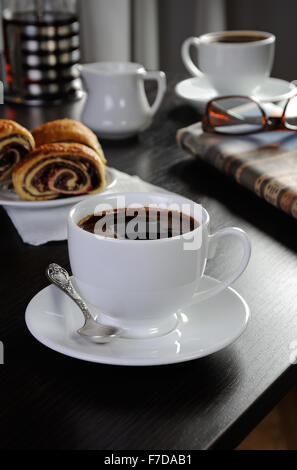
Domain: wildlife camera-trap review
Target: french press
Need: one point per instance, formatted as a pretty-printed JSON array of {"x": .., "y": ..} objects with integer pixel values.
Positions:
[{"x": 41, "y": 49}]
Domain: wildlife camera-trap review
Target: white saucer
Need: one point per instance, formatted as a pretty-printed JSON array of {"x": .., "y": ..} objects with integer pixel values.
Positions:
[
  {"x": 203, "y": 329},
  {"x": 198, "y": 91},
  {"x": 8, "y": 197}
]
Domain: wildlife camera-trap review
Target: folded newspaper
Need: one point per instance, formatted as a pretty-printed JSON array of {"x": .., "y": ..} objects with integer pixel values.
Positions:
[{"x": 265, "y": 163}]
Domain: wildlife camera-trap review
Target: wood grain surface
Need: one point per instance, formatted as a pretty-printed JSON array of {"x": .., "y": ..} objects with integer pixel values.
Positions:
[{"x": 52, "y": 401}]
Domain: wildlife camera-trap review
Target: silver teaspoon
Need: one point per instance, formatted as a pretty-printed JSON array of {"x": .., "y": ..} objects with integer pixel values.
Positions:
[{"x": 94, "y": 331}]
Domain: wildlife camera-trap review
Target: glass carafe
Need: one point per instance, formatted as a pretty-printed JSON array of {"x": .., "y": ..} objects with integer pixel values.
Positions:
[{"x": 41, "y": 46}]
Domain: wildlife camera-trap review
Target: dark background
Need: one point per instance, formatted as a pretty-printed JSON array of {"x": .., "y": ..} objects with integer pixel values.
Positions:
[
  {"x": 175, "y": 21},
  {"x": 179, "y": 19}
]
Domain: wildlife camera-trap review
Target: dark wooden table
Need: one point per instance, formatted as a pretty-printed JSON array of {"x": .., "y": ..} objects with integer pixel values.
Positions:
[{"x": 52, "y": 401}]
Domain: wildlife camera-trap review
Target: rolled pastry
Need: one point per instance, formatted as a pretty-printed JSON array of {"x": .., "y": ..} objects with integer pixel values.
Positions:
[
  {"x": 15, "y": 143},
  {"x": 56, "y": 170},
  {"x": 67, "y": 130}
]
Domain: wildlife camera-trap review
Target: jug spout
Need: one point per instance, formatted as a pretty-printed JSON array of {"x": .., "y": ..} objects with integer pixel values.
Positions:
[{"x": 83, "y": 70}]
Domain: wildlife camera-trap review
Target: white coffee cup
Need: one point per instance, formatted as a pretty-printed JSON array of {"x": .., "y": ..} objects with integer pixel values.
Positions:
[
  {"x": 232, "y": 67},
  {"x": 117, "y": 106},
  {"x": 140, "y": 285}
]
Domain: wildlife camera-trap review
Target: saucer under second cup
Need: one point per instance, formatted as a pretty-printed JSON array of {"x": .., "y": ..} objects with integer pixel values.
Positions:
[{"x": 198, "y": 91}]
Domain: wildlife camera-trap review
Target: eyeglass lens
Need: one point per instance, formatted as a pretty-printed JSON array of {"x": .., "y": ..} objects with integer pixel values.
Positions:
[{"x": 235, "y": 115}]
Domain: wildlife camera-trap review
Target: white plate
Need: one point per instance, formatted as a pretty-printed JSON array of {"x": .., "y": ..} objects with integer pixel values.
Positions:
[
  {"x": 198, "y": 91},
  {"x": 203, "y": 329},
  {"x": 8, "y": 197}
]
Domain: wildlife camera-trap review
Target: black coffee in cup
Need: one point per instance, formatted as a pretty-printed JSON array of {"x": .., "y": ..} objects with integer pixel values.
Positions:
[
  {"x": 233, "y": 38},
  {"x": 144, "y": 223}
]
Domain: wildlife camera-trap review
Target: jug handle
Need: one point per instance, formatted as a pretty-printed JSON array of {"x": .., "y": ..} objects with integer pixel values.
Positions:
[{"x": 160, "y": 77}]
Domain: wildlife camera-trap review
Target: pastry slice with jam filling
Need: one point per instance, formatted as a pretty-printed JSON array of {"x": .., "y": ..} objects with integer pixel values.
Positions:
[
  {"x": 59, "y": 170},
  {"x": 15, "y": 143}
]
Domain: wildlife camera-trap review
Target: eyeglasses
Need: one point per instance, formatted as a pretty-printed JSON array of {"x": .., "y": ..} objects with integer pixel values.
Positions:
[{"x": 242, "y": 115}]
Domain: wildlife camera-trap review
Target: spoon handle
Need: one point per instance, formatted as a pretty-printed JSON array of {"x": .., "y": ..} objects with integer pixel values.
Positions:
[{"x": 60, "y": 277}]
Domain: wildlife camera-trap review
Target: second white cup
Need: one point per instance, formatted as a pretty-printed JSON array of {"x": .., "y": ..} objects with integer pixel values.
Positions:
[{"x": 234, "y": 62}]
